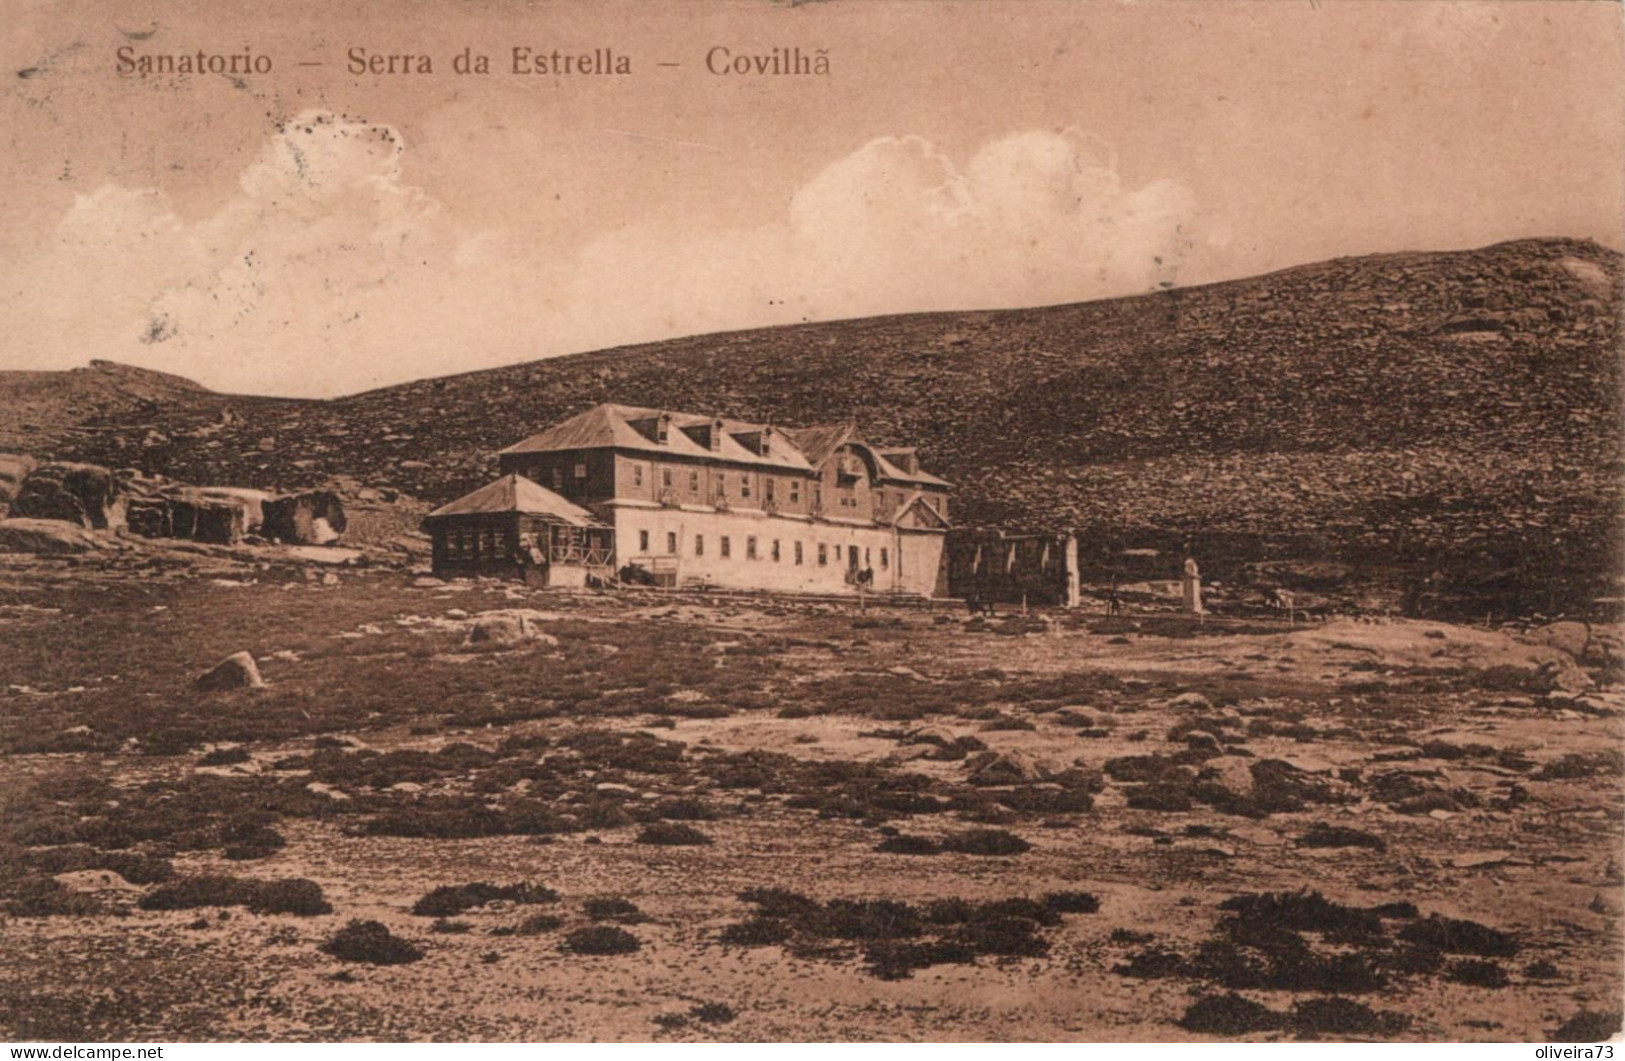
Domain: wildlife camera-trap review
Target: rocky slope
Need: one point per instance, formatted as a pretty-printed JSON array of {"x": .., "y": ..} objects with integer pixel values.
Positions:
[{"x": 1456, "y": 411}]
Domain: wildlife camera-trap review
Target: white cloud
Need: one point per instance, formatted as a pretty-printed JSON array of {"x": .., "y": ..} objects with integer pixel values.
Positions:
[{"x": 326, "y": 272}]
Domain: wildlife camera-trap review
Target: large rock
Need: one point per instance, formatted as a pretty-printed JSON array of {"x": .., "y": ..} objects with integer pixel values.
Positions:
[
  {"x": 14, "y": 468},
  {"x": 1571, "y": 637},
  {"x": 236, "y": 671},
  {"x": 86, "y": 494},
  {"x": 1561, "y": 674},
  {"x": 511, "y": 626},
  {"x": 1232, "y": 773},
  {"x": 48, "y": 536},
  {"x": 1005, "y": 768}
]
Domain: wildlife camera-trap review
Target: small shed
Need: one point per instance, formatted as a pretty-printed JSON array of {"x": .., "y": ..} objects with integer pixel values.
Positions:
[{"x": 515, "y": 528}]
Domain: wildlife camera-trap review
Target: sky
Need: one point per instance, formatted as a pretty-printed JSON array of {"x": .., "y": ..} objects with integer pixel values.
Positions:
[{"x": 313, "y": 231}]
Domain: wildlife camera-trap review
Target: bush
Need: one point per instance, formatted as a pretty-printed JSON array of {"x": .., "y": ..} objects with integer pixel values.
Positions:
[
  {"x": 1313, "y": 1017},
  {"x": 370, "y": 942},
  {"x": 536, "y": 924},
  {"x": 672, "y": 834},
  {"x": 1588, "y": 1026},
  {"x": 44, "y": 897},
  {"x": 450, "y": 900},
  {"x": 601, "y": 939},
  {"x": 990, "y": 842},
  {"x": 1455, "y": 936},
  {"x": 1475, "y": 972},
  {"x": 1229, "y": 1014},
  {"x": 903, "y": 844},
  {"x": 713, "y": 1013},
  {"x": 607, "y": 909},
  {"x": 294, "y": 895},
  {"x": 1072, "y": 902},
  {"x": 1323, "y": 835}
]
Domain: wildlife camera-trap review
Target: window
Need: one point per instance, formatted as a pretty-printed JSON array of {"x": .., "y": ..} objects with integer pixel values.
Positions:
[
  {"x": 818, "y": 495},
  {"x": 798, "y": 552},
  {"x": 637, "y": 475},
  {"x": 558, "y": 478},
  {"x": 581, "y": 470},
  {"x": 767, "y": 488},
  {"x": 643, "y": 541},
  {"x": 671, "y": 542},
  {"x": 795, "y": 491},
  {"x": 775, "y": 553},
  {"x": 665, "y": 478},
  {"x": 744, "y": 484},
  {"x": 823, "y": 555},
  {"x": 865, "y": 556},
  {"x": 883, "y": 556},
  {"x": 694, "y": 480},
  {"x": 699, "y": 545},
  {"x": 750, "y": 547},
  {"x": 727, "y": 547}
]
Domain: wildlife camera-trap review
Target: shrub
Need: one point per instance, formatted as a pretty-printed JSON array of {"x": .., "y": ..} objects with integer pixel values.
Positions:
[
  {"x": 536, "y": 924},
  {"x": 713, "y": 1013},
  {"x": 601, "y": 939},
  {"x": 1323, "y": 835},
  {"x": 1072, "y": 902},
  {"x": 294, "y": 895},
  {"x": 903, "y": 844},
  {"x": 672, "y": 834},
  {"x": 1455, "y": 936},
  {"x": 1589, "y": 1026},
  {"x": 608, "y": 909},
  {"x": 370, "y": 942},
  {"x": 44, "y": 897},
  {"x": 1476, "y": 972},
  {"x": 1342, "y": 1016},
  {"x": 1229, "y": 1014},
  {"x": 450, "y": 900},
  {"x": 990, "y": 842}
]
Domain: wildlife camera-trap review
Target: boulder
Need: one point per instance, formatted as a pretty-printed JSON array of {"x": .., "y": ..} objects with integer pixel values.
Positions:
[
  {"x": 1561, "y": 674},
  {"x": 1232, "y": 773},
  {"x": 14, "y": 468},
  {"x": 48, "y": 536},
  {"x": 236, "y": 671},
  {"x": 1571, "y": 637},
  {"x": 509, "y": 627},
  {"x": 1194, "y": 701},
  {"x": 86, "y": 494},
  {"x": 1005, "y": 768},
  {"x": 941, "y": 736}
]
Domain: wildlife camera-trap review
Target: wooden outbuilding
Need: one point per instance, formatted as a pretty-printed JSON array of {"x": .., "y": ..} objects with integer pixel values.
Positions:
[{"x": 514, "y": 528}]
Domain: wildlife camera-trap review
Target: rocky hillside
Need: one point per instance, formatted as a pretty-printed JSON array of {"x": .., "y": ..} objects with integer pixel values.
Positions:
[{"x": 1456, "y": 411}]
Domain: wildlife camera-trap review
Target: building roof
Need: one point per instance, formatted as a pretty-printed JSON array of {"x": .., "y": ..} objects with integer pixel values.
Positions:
[
  {"x": 609, "y": 426},
  {"x": 515, "y": 493}
]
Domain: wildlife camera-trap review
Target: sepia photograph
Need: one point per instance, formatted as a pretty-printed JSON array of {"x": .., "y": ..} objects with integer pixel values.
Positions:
[{"x": 812, "y": 521}]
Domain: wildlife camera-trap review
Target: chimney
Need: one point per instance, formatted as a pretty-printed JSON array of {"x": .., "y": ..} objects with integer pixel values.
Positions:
[{"x": 767, "y": 441}]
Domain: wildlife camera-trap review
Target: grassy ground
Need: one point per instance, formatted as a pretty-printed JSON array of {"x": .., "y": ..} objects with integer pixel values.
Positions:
[{"x": 691, "y": 819}]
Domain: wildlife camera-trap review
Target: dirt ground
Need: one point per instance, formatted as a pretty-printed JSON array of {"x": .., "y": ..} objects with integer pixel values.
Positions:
[{"x": 821, "y": 824}]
